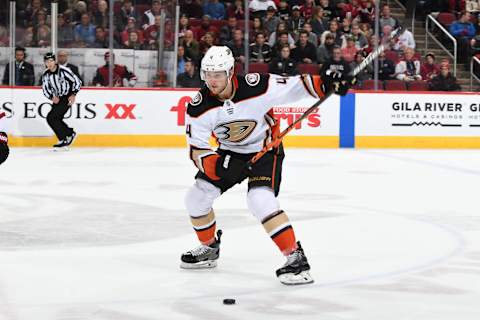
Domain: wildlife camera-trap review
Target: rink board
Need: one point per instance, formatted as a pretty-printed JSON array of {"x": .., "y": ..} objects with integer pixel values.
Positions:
[{"x": 156, "y": 118}]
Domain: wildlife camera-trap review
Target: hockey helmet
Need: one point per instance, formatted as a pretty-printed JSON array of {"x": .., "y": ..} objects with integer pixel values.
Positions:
[{"x": 217, "y": 58}]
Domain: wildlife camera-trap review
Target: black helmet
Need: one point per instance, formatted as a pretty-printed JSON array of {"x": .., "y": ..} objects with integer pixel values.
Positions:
[{"x": 49, "y": 55}]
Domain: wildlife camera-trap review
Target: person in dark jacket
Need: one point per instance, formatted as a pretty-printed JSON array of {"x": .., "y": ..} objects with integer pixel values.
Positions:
[
  {"x": 24, "y": 72},
  {"x": 260, "y": 51},
  {"x": 62, "y": 58},
  {"x": 305, "y": 51},
  {"x": 386, "y": 67},
  {"x": 284, "y": 65},
  {"x": 445, "y": 81},
  {"x": 190, "y": 78}
]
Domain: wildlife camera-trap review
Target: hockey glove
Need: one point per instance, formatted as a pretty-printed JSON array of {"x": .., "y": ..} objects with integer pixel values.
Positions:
[
  {"x": 338, "y": 82},
  {"x": 4, "y": 150},
  {"x": 231, "y": 169}
]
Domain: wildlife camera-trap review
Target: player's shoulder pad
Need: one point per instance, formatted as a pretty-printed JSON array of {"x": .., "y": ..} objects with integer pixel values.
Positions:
[
  {"x": 201, "y": 103},
  {"x": 251, "y": 85}
]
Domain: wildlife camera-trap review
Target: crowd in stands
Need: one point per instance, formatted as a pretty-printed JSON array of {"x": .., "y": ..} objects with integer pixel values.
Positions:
[{"x": 286, "y": 37}]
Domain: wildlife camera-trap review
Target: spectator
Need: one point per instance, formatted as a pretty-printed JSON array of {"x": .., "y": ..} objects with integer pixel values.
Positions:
[
  {"x": 366, "y": 30},
  {"x": 181, "y": 59},
  {"x": 475, "y": 45},
  {"x": 27, "y": 38},
  {"x": 122, "y": 77},
  {"x": 296, "y": 21},
  {"x": 183, "y": 25},
  {"x": 445, "y": 81},
  {"x": 101, "y": 17},
  {"x": 409, "y": 68},
  {"x": 190, "y": 78},
  {"x": 65, "y": 32},
  {"x": 43, "y": 36},
  {"x": 284, "y": 65},
  {"x": 346, "y": 28},
  {"x": 192, "y": 48},
  {"x": 207, "y": 41},
  {"x": 226, "y": 32},
  {"x": 282, "y": 40},
  {"x": 365, "y": 74},
  {"x": 85, "y": 32},
  {"x": 429, "y": 69},
  {"x": 281, "y": 29},
  {"x": 24, "y": 72},
  {"x": 101, "y": 39},
  {"x": 79, "y": 10},
  {"x": 351, "y": 10},
  {"x": 237, "y": 10},
  {"x": 62, "y": 59},
  {"x": 361, "y": 41},
  {"x": 367, "y": 13},
  {"x": 132, "y": 26},
  {"x": 350, "y": 50},
  {"x": 133, "y": 42},
  {"x": 386, "y": 67},
  {"x": 214, "y": 9},
  {"x": 305, "y": 51},
  {"x": 259, "y": 7},
  {"x": 333, "y": 29},
  {"x": 191, "y": 8},
  {"x": 30, "y": 14},
  {"x": 152, "y": 33},
  {"x": 126, "y": 11},
  {"x": 463, "y": 30},
  {"x": 318, "y": 21},
  {"x": 307, "y": 9},
  {"x": 41, "y": 19},
  {"x": 271, "y": 21},
  {"x": 205, "y": 27},
  {"x": 237, "y": 46},
  {"x": 386, "y": 40},
  {"x": 336, "y": 63},
  {"x": 329, "y": 10},
  {"x": 257, "y": 26},
  {"x": 324, "y": 51},
  {"x": 312, "y": 37},
  {"x": 4, "y": 39},
  {"x": 406, "y": 40},
  {"x": 387, "y": 19},
  {"x": 283, "y": 11},
  {"x": 149, "y": 15},
  {"x": 472, "y": 6},
  {"x": 260, "y": 52}
]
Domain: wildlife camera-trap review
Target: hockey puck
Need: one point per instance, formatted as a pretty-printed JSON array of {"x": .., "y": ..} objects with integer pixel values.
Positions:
[{"x": 228, "y": 301}]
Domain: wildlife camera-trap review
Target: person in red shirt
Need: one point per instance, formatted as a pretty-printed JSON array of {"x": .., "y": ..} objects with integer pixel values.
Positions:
[
  {"x": 121, "y": 75},
  {"x": 429, "y": 69}
]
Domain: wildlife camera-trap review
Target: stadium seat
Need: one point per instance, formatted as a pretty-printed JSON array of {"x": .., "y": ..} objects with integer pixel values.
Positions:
[
  {"x": 370, "y": 85},
  {"x": 392, "y": 55},
  {"x": 239, "y": 68},
  {"x": 218, "y": 23},
  {"x": 395, "y": 85},
  {"x": 418, "y": 86},
  {"x": 194, "y": 22},
  {"x": 446, "y": 18},
  {"x": 258, "y": 67},
  {"x": 308, "y": 68},
  {"x": 241, "y": 25}
]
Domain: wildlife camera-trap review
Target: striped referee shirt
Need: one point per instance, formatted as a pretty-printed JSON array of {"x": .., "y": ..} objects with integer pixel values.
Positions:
[{"x": 61, "y": 82}]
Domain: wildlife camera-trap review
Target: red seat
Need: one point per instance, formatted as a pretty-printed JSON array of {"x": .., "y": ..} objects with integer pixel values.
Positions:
[
  {"x": 308, "y": 68},
  {"x": 392, "y": 55},
  {"x": 239, "y": 68},
  {"x": 218, "y": 23},
  {"x": 370, "y": 85},
  {"x": 446, "y": 18},
  {"x": 258, "y": 67},
  {"x": 194, "y": 22},
  {"x": 395, "y": 85},
  {"x": 418, "y": 86},
  {"x": 141, "y": 8},
  {"x": 241, "y": 25}
]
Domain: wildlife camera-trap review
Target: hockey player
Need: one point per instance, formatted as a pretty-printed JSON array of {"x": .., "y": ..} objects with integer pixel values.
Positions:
[
  {"x": 4, "y": 150},
  {"x": 237, "y": 110}
]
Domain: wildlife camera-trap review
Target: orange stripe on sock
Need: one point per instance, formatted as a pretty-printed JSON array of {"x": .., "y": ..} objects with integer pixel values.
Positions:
[
  {"x": 207, "y": 236},
  {"x": 285, "y": 240}
]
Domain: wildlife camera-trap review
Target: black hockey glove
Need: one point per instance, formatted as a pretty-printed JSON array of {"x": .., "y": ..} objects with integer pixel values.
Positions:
[
  {"x": 231, "y": 169},
  {"x": 4, "y": 150},
  {"x": 338, "y": 82}
]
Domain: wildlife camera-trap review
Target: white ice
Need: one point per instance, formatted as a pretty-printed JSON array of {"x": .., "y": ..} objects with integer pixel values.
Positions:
[{"x": 97, "y": 234}]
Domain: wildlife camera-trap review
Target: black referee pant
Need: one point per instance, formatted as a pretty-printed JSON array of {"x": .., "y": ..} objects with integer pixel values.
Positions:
[{"x": 55, "y": 118}]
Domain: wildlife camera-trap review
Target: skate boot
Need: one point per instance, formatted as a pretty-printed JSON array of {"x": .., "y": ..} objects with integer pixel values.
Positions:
[
  {"x": 62, "y": 145},
  {"x": 296, "y": 269},
  {"x": 69, "y": 139},
  {"x": 202, "y": 257}
]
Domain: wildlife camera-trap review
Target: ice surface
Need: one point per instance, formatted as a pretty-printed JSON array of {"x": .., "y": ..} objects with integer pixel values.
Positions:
[{"x": 97, "y": 234}]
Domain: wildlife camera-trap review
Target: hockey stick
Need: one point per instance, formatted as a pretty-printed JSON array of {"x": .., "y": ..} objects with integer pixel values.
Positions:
[{"x": 276, "y": 142}]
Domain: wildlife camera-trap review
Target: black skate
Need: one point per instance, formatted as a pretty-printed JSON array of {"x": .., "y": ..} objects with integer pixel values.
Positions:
[
  {"x": 202, "y": 257},
  {"x": 69, "y": 139},
  {"x": 62, "y": 145},
  {"x": 296, "y": 269}
]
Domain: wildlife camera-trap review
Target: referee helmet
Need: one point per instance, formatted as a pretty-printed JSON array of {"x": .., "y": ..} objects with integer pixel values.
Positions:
[{"x": 49, "y": 55}]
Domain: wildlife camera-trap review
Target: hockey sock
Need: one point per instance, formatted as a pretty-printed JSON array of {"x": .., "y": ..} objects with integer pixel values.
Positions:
[
  {"x": 280, "y": 230},
  {"x": 205, "y": 226}
]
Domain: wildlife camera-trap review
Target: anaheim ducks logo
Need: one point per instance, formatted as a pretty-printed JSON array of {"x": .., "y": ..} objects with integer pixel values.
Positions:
[{"x": 235, "y": 131}]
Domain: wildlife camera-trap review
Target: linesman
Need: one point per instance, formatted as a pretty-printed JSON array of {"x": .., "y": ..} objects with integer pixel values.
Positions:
[{"x": 60, "y": 85}]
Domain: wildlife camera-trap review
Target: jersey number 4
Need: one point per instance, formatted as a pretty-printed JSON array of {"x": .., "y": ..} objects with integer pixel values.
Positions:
[{"x": 188, "y": 130}]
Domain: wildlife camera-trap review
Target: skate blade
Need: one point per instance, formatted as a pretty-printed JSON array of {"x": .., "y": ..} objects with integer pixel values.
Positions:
[
  {"x": 199, "y": 265},
  {"x": 290, "y": 279},
  {"x": 61, "y": 149}
]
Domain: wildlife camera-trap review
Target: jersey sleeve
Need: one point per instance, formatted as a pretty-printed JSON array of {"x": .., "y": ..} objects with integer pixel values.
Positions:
[
  {"x": 291, "y": 89},
  {"x": 199, "y": 131}
]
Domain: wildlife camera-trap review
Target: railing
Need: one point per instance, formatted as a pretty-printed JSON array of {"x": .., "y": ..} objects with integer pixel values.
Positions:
[
  {"x": 474, "y": 61},
  {"x": 445, "y": 31}
]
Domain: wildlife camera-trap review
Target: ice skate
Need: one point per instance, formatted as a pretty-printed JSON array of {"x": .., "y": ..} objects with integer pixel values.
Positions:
[
  {"x": 296, "y": 269},
  {"x": 61, "y": 146},
  {"x": 69, "y": 139},
  {"x": 202, "y": 257}
]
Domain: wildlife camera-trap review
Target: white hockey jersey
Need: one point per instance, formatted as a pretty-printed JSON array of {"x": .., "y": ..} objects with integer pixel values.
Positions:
[{"x": 245, "y": 123}]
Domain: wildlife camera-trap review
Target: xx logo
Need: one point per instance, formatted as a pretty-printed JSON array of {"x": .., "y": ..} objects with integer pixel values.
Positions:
[{"x": 113, "y": 111}]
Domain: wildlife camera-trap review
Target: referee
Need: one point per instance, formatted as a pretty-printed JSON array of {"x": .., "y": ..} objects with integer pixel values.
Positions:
[{"x": 60, "y": 85}]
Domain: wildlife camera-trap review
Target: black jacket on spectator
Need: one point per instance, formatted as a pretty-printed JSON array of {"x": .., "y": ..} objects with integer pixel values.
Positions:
[
  {"x": 25, "y": 76},
  {"x": 440, "y": 83},
  {"x": 341, "y": 66},
  {"x": 74, "y": 69},
  {"x": 226, "y": 34},
  {"x": 386, "y": 69},
  {"x": 237, "y": 51},
  {"x": 255, "y": 50},
  {"x": 184, "y": 80},
  {"x": 300, "y": 53},
  {"x": 283, "y": 67}
]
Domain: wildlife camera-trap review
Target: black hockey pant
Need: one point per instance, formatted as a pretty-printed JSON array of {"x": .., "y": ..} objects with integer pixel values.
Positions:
[{"x": 55, "y": 119}]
